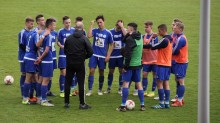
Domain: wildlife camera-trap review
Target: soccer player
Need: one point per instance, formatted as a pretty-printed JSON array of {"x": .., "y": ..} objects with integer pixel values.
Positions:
[
  {"x": 164, "y": 55},
  {"x": 132, "y": 65},
  {"x": 116, "y": 59},
  {"x": 180, "y": 55},
  {"x": 22, "y": 40},
  {"x": 149, "y": 59},
  {"x": 62, "y": 35},
  {"x": 30, "y": 67},
  {"x": 46, "y": 59},
  {"x": 102, "y": 47}
]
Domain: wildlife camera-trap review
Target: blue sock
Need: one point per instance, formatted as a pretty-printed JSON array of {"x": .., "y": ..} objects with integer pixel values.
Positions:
[
  {"x": 124, "y": 96},
  {"x": 75, "y": 83},
  {"x": 120, "y": 81},
  {"x": 49, "y": 85},
  {"x": 22, "y": 79},
  {"x": 141, "y": 96},
  {"x": 44, "y": 92},
  {"x": 62, "y": 81},
  {"x": 154, "y": 85},
  {"x": 38, "y": 89},
  {"x": 110, "y": 79},
  {"x": 144, "y": 83},
  {"x": 181, "y": 90},
  {"x": 161, "y": 95},
  {"x": 26, "y": 89},
  {"x": 167, "y": 96},
  {"x": 177, "y": 86},
  {"x": 33, "y": 87},
  {"x": 91, "y": 80},
  {"x": 101, "y": 81}
]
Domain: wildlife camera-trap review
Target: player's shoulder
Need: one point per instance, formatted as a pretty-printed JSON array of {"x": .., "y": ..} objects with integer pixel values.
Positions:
[
  {"x": 61, "y": 30},
  {"x": 112, "y": 30}
]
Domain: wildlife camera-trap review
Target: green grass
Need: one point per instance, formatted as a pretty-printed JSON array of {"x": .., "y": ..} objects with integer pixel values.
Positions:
[{"x": 12, "y": 14}]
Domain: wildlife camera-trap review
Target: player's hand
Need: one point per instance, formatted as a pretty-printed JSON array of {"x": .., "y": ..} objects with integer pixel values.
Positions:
[
  {"x": 37, "y": 61},
  {"x": 62, "y": 47},
  {"x": 154, "y": 35},
  {"x": 39, "y": 31},
  {"x": 123, "y": 70},
  {"x": 107, "y": 59},
  {"x": 92, "y": 22},
  {"x": 47, "y": 32}
]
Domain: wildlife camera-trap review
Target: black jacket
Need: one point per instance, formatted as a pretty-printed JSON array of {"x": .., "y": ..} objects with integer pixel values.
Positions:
[
  {"x": 77, "y": 48},
  {"x": 130, "y": 43}
]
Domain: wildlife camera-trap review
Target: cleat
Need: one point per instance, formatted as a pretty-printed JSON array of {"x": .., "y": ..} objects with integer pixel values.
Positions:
[
  {"x": 25, "y": 102},
  {"x": 89, "y": 93},
  {"x": 66, "y": 105},
  {"x": 167, "y": 106},
  {"x": 142, "y": 108},
  {"x": 159, "y": 106},
  {"x": 121, "y": 108},
  {"x": 100, "y": 92},
  {"x": 46, "y": 103},
  {"x": 135, "y": 93},
  {"x": 174, "y": 99},
  {"x": 33, "y": 99},
  {"x": 119, "y": 91},
  {"x": 145, "y": 93},
  {"x": 85, "y": 106},
  {"x": 151, "y": 94},
  {"x": 107, "y": 91},
  {"x": 50, "y": 94},
  {"x": 156, "y": 98},
  {"x": 62, "y": 94},
  {"x": 177, "y": 104}
]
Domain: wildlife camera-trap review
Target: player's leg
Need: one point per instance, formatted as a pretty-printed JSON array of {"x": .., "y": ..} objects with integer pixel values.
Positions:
[
  {"x": 120, "y": 66},
  {"x": 136, "y": 77},
  {"x": 62, "y": 66},
  {"x": 167, "y": 93},
  {"x": 27, "y": 87},
  {"x": 154, "y": 83},
  {"x": 111, "y": 66},
  {"x": 68, "y": 80},
  {"x": 92, "y": 66},
  {"x": 101, "y": 65},
  {"x": 145, "y": 79},
  {"x": 74, "y": 91},
  {"x": 22, "y": 77}
]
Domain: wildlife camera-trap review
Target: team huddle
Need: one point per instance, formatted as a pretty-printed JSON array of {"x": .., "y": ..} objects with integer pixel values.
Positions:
[{"x": 125, "y": 48}]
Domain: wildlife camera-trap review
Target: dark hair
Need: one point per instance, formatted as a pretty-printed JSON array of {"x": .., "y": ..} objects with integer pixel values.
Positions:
[
  {"x": 49, "y": 21},
  {"x": 65, "y": 18},
  {"x": 134, "y": 25},
  {"x": 177, "y": 20},
  {"x": 162, "y": 27},
  {"x": 148, "y": 23},
  {"x": 29, "y": 19},
  {"x": 79, "y": 19},
  {"x": 100, "y": 17},
  {"x": 38, "y": 16}
]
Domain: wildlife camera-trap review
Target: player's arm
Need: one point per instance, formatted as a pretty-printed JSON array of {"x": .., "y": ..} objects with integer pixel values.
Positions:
[
  {"x": 179, "y": 44},
  {"x": 90, "y": 29},
  {"x": 21, "y": 41},
  {"x": 161, "y": 44},
  {"x": 59, "y": 40},
  {"x": 124, "y": 30},
  {"x": 39, "y": 59},
  {"x": 38, "y": 44},
  {"x": 130, "y": 44},
  {"x": 110, "y": 49}
]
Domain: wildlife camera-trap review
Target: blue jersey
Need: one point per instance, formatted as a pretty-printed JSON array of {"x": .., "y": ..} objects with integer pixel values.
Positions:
[
  {"x": 118, "y": 44},
  {"x": 22, "y": 39},
  {"x": 31, "y": 49},
  {"x": 54, "y": 35},
  {"x": 101, "y": 40},
  {"x": 62, "y": 35},
  {"x": 153, "y": 39},
  {"x": 47, "y": 42}
]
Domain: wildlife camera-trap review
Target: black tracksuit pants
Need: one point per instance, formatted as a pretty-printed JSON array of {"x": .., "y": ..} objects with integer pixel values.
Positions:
[{"x": 79, "y": 70}]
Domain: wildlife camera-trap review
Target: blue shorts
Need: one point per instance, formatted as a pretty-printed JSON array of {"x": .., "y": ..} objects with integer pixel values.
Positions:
[
  {"x": 94, "y": 61},
  {"x": 115, "y": 62},
  {"x": 54, "y": 64},
  {"x": 22, "y": 67},
  {"x": 163, "y": 73},
  {"x": 180, "y": 71},
  {"x": 46, "y": 70},
  {"x": 62, "y": 62},
  {"x": 149, "y": 67},
  {"x": 173, "y": 67},
  {"x": 132, "y": 75},
  {"x": 30, "y": 67}
]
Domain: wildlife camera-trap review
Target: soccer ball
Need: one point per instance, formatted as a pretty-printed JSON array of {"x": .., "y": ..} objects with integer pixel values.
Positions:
[
  {"x": 8, "y": 80},
  {"x": 130, "y": 104}
]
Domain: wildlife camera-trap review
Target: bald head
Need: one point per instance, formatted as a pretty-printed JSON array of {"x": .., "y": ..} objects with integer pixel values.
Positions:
[{"x": 79, "y": 25}]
